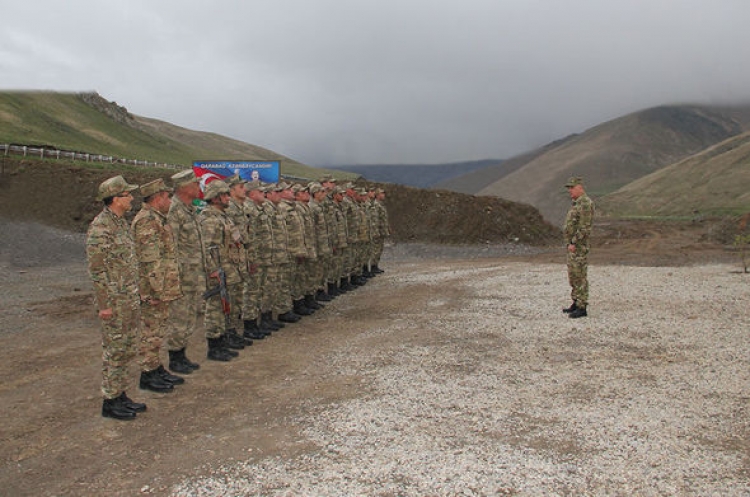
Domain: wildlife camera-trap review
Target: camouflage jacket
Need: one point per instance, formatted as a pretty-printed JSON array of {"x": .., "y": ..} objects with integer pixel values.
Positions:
[
  {"x": 236, "y": 212},
  {"x": 577, "y": 229},
  {"x": 218, "y": 230},
  {"x": 322, "y": 235},
  {"x": 295, "y": 229},
  {"x": 113, "y": 266},
  {"x": 183, "y": 220},
  {"x": 308, "y": 225},
  {"x": 349, "y": 208},
  {"x": 279, "y": 253},
  {"x": 159, "y": 275},
  {"x": 384, "y": 227}
]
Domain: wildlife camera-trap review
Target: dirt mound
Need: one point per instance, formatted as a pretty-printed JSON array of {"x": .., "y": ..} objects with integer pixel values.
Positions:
[{"x": 63, "y": 196}]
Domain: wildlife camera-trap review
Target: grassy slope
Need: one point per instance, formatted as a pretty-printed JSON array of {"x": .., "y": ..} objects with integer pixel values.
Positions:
[
  {"x": 613, "y": 154},
  {"x": 65, "y": 121},
  {"x": 715, "y": 181}
]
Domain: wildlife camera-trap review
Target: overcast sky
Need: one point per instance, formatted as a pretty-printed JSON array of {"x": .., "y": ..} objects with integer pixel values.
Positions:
[{"x": 383, "y": 81}]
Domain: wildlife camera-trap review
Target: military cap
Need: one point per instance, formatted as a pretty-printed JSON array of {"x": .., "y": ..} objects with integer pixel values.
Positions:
[
  {"x": 153, "y": 187},
  {"x": 253, "y": 185},
  {"x": 114, "y": 186},
  {"x": 234, "y": 180},
  {"x": 214, "y": 188},
  {"x": 314, "y": 187},
  {"x": 281, "y": 186},
  {"x": 327, "y": 178},
  {"x": 183, "y": 178},
  {"x": 573, "y": 181},
  {"x": 296, "y": 188}
]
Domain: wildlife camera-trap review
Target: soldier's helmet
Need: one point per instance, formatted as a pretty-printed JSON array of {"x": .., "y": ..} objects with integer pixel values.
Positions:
[
  {"x": 114, "y": 186},
  {"x": 214, "y": 188}
]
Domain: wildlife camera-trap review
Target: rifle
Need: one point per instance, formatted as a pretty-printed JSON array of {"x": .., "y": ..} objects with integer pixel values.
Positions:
[{"x": 221, "y": 289}]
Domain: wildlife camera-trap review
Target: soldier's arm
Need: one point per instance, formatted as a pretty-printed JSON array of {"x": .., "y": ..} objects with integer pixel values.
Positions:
[
  {"x": 98, "y": 246},
  {"x": 146, "y": 232}
]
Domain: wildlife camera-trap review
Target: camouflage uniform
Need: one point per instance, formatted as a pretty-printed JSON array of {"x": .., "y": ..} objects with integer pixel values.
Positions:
[
  {"x": 159, "y": 280},
  {"x": 295, "y": 246},
  {"x": 577, "y": 231},
  {"x": 236, "y": 212},
  {"x": 322, "y": 244},
  {"x": 382, "y": 230},
  {"x": 217, "y": 229},
  {"x": 280, "y": 295},
  {"x": 113, "y": 268},
  {"x": 184, "y": 312}
]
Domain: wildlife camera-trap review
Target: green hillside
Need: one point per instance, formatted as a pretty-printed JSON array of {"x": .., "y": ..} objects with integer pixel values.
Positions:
[
  {"x": 715, "y": 181},
  {"x": 87, "y": 122},
  {"x": 612, "y": 154}
]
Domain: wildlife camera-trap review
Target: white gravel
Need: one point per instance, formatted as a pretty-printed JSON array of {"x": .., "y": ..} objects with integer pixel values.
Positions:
[{"x": 647, "y": 396}]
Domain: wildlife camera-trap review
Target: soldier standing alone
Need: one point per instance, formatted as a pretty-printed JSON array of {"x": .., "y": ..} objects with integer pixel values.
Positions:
[
  {"x": 577, "y": 232},
  {"x": 113, "y": 269}
]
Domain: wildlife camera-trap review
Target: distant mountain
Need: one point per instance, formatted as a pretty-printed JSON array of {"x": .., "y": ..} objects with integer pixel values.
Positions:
[
  {"x": 416, "y": 175},
  {"x": 715, "y": 181},
  {"x": 613, "y": 154}
]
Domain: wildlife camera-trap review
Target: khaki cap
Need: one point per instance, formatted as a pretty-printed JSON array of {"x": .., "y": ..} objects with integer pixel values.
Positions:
[
  {"x": 314, "y": 187},
  {"x": 573, "y": 181},
  {"x": 253, "y": 185},
  {"x": 234, "y": 180},
  {"x": 214, "y": 188},
  {"x": 156, "y": 186},
  {"x": 114, "y": 186},
  {"x": 183, "y": 178}
]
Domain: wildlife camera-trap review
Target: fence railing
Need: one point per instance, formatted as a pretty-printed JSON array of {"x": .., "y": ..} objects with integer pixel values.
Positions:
[{"x": 54, "y": 153}]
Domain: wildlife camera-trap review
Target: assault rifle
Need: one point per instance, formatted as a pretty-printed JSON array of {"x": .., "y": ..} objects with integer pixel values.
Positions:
[{"x": 221, "y": 289}]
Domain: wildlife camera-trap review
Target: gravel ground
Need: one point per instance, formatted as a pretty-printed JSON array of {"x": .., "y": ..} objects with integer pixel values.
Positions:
[{"x": 487, "y": 389}]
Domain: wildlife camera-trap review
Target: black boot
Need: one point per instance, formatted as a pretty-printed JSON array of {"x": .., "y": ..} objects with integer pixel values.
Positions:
[
  {"x": 311, "y": 303},
  {"x": 233, "y": 341},
  {"x": 193, "y": 365},
  {"x": 177, "y": 362},
  {"x": 579, "y": 312},
  {"x": 376, "y": 270},
  {"x": 345, "y": 286},
  {"x": 267, "y": 320},
  {"x": 570, "y": 309},
  {"x": 114, "y": 408},
  {"x": 289, "y": 317},
  {"x": 151, "y": 380},
  {"x": 216, "y": 352},
  {"x": 301, "y": 309},
  {"x": 333, "y": 291},
  {"x": 128, "y": 403},
  {"x": 252, "y": 331},
  {"x": 169, "y": 377},
  {"x": 322, "y": 296}
]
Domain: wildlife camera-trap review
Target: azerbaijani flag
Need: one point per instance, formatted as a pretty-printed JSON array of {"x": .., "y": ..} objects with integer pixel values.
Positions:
[{"x": 208, "y": 171}]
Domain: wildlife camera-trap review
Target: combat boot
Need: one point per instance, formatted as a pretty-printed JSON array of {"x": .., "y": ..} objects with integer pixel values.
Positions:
[
  {"x": 252, "y": 331},
  {"x": 177, "y": 362},
  {"x": 267, "y": 320},
  {"x": 301, "y": 309},
  {"x": 114, "y": 408},
  {"x": 151, "y": 380},
  {"x": 128, "y": 403},
  {"x": 345, "y": 286},
  {"x": 289, "y": 317},
  {"x": 322, "y": 296},
  {"x": 311, "y": 303},
  {"x": 233, "y": 341},
  {"x": 216, "y": 352},
  {"x": 570, "y": 309},
  {"x": 169, "y": 377},
  {"x": 376, "y": 270},
  {"x": 579, "y": 312},
  {"x": 333, "y": 291}
]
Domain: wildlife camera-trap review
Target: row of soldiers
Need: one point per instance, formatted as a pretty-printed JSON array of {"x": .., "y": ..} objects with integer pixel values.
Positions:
[{"x": 255, "y": 257}]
